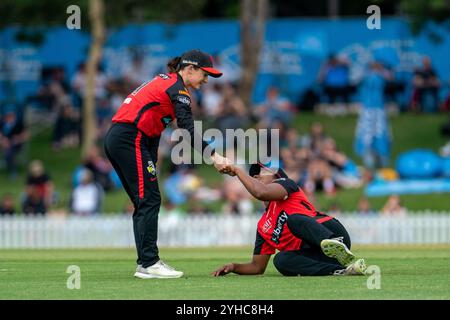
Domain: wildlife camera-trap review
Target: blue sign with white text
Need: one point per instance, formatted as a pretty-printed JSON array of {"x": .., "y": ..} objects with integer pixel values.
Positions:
[{"x": 291, "y": 58}]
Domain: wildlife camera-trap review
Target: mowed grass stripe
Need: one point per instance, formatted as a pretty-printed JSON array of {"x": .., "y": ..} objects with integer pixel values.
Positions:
[{"x": 407, "y": 272}]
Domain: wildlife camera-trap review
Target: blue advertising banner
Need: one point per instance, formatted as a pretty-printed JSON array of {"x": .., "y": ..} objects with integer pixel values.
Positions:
[{"x": 291, "y": 58}]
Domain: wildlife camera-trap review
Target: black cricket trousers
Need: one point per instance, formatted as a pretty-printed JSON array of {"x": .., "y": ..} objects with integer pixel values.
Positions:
[
  {"x": 133, "y": 155},
  {"x": 309, "y": 260}
]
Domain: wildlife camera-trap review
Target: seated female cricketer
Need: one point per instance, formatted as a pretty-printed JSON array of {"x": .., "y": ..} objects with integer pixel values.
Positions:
[{"x": 309, "y": 242}]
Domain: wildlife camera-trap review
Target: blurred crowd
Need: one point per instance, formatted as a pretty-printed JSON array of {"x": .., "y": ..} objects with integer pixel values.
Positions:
[{"x": 312, "y": 159}]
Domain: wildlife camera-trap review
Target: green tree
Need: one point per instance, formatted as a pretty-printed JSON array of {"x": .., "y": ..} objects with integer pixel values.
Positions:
[
  {"x": 253, "y": 20},
  {"x": 422, "y": 11},
  {"x": 98, "y": 35}
]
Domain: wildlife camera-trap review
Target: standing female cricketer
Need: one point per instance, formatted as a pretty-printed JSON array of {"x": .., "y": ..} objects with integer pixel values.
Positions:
[
  {"x": 310, "y": 243},
  {"x": 132, "y": 144}
]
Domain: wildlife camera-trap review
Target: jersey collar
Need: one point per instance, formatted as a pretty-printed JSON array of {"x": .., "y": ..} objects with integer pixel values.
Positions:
[{"x": 179, "y": 77}]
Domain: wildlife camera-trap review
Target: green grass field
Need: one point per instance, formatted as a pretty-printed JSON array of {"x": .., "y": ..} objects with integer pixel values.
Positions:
[{"x": 407, "y": 272}]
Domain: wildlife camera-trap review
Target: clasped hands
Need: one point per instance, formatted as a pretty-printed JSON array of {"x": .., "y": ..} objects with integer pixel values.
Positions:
[{"x": 223, "y": 164}]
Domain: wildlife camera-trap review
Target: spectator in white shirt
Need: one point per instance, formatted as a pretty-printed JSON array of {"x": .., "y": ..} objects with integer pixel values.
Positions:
[{"x": 87, "y": 197}]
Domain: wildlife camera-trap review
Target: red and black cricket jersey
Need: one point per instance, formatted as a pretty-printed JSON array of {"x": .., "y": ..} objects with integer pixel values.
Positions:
[
  {"x": 272, "y": 232},
  {"x": 155, "y": 104}
]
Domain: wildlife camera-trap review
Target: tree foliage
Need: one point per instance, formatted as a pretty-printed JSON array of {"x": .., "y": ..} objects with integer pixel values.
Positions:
[
  {"x": 118, "y": 12},
  {"x": 37, "y": 13},
  {"x": 422, "y": 11}
]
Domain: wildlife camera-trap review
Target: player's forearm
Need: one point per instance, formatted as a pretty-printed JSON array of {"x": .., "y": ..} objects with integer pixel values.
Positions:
[
  {"x": 185, "y": 121},
  {"x": 247, "y": 269},
  {"x": 253, "y": 186}
]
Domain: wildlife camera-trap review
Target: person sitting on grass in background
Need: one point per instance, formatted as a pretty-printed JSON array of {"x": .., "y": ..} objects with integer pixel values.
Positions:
[
  {"x": 13, "y": 136},
  {"x": 310, "y": 243},
  {"x": 34, "y": 203},
  {"x": 394, "y": 207},
  {"x": 7, "y": 205},
  {"x": 39, "y": 181}
]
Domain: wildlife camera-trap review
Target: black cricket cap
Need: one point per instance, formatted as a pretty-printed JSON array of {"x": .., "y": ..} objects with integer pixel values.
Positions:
[
  {"x": 255, "y": 169},
  {"x": 202, "y": 60}
]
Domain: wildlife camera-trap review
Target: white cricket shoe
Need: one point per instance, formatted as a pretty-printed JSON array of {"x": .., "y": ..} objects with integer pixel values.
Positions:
[
  {"x": 158, "y": 270},
  {"x": 357, "y": 268},
  {"x": 336, "y": 248}
]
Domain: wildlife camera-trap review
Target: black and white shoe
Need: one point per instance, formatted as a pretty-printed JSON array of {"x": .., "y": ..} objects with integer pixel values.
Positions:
[
  {"x": 336, "y": 248},
  {"x": 357, "y": 268}
]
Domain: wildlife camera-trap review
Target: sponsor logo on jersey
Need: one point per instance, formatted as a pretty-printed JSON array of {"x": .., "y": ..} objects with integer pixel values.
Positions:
[
  {"x": 164, "y": 76},
  {"x": 281, "y": 221},
  {"x": 267, "y": 225},
  {"x": 151, "y": 168},
  {"x": 185, "y": 92},
  {"x": 127, "y": 100},
  {"x": 184, "y": 99}
]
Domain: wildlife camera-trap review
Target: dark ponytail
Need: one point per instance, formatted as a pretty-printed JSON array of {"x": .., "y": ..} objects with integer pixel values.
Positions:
[{"x": 174, "y": 64}]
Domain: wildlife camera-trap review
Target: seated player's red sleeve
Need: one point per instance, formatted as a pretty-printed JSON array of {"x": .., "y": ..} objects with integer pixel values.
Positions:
[{"x": 261, "y": 246}]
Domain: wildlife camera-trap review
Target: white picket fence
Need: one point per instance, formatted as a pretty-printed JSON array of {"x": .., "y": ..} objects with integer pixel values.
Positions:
[{"x": 224, "y": 230}]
